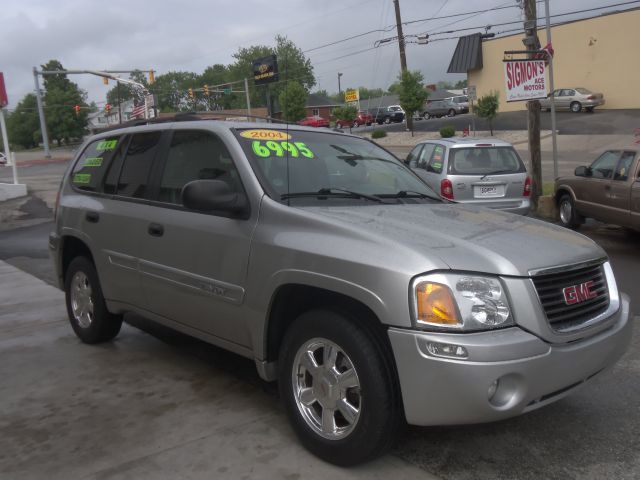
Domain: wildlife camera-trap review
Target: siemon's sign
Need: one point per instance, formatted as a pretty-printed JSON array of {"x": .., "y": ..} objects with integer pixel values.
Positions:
[{"x": 525, "y": 80}]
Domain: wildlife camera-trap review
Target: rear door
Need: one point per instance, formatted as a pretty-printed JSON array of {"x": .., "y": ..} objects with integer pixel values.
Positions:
[{"x": 193, "y": 266}]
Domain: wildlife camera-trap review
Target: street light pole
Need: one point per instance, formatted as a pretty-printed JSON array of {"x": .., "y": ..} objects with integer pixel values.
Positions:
[
  {"x": 43, "y": 123},
  {"x": 339, "y": 89}
]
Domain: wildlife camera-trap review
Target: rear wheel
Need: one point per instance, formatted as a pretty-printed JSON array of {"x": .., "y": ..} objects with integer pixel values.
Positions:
[
  {"x": 387, "y": 120},
  {"x": 452, "y": 113},
  {"x": 355, "y": 124},
  {"x": 338, "y": 388},
  {"x": 426, "y": 116},
  {"x": 569, "y": 217},
  {"x": 576, "y": 107},
  {"x": 88, "y": 314}
]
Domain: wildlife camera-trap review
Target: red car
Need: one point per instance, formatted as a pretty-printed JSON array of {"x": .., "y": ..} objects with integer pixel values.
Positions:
[
  {"x": 314, "y": 121},
  {"x": 363, "y": 118}
]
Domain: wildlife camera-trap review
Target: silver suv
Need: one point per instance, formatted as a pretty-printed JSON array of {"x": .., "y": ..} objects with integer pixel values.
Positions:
[
  {"x": 331, "y": 264},
  {"x": 485, "y": 172}
]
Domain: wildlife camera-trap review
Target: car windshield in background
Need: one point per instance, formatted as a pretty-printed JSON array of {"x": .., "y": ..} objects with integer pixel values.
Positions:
[
  {"x": 583, "y": 91},
  {"x": 484, "y": 161},
  {"x": 295, "y": 164}
]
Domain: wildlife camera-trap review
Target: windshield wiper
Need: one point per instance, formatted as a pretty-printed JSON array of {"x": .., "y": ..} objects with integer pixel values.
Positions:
[
  {"x": 497, "y": 172},
  {"x": 409, "y": 194},
  {"x": 332, "y": 192}
]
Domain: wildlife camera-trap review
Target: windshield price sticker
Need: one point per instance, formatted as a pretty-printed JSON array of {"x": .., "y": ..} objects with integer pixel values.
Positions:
[
  {"x": 270, "y": 147},
  {"x": 106, "y": 145},
  {"x": 82, "y": 178},
  {"x": 263, "y": 134},
  {"x": 93, "y": 162}
]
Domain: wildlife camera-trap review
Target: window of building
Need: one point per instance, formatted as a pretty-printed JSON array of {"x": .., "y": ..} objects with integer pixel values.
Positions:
[
  {"x": 315, "y": 112},
  {"x": 137, "y": 164},
  {"x": 196, "y": 155}
]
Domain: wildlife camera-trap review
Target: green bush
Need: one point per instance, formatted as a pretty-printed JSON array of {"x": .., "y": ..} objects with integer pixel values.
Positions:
[
  {"x": 378, "y": 134},
  {"x": 447, "y": 131}
]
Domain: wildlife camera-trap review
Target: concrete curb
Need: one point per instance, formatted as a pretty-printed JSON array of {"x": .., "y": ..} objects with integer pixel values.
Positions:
[{"x": 42, "y": 161}]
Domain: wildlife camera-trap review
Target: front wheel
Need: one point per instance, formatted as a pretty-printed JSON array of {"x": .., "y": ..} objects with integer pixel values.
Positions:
[
  {"x": 569, "y": 217},
  {"x": 576, "y": 107},
  {"x": 452, "y": 113},
  {"x": 355, "y": 124},
  {"x": 88, "y": 314},
  {"x": 338, "y": 388},
  {"x": 426, "y": 116},
  {"x": 387, "y": 120}
]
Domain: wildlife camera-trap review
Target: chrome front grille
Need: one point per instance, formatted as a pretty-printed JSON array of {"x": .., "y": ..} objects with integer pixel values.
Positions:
[{"x": 551, "y": 292}]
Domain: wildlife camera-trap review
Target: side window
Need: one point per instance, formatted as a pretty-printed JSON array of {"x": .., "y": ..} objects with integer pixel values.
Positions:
[
  {"x": 437, "y": 159},
  {"x": 425, "y": 155},
  {"x": 604, "y": 164},
  {"x": 196, "y": 155},
  {"x": 624, "y": 165},
  {"x": 413, "y": 155},
  {"x": 97, "y": 159},
  {"x": 137, "y": 164}
]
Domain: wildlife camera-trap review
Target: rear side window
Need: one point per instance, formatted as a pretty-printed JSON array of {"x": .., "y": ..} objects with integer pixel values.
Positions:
[
  {"x": 484, "y": 160},
  {"x": 95, "y": 162},
  {"x": 134, "y": 177},
  {"x": 196, "y": 155}
]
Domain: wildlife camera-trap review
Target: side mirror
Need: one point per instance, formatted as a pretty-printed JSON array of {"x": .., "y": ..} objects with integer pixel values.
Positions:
[
  {"x": 582, "y": 172},
  {"x": 212, "y": 195}
]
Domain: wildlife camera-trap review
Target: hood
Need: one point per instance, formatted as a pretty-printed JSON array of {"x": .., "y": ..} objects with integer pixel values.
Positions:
[{"x": 467, "y": 237}]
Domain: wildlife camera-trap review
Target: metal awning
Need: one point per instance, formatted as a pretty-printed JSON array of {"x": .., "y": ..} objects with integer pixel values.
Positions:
[{"x": 468, "y": 54}]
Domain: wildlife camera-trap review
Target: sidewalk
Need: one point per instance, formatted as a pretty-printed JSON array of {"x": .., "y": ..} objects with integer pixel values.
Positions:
[{"x": 136, "y": 407}]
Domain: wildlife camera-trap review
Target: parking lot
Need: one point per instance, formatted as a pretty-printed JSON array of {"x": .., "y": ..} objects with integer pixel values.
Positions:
[{"x": 157, "y": 404}]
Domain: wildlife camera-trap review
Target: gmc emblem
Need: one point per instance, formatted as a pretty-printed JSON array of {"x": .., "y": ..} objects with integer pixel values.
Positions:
[{"x": 578, "y": 293}]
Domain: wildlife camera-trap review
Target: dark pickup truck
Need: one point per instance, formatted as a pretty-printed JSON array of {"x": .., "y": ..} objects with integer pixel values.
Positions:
[
  {"x": 607, "y": 190},
  {"x": 390, "y": 114}
]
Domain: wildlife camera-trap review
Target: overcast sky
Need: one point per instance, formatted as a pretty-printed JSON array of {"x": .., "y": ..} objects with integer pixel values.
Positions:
[{"x": 169, "y": 35}]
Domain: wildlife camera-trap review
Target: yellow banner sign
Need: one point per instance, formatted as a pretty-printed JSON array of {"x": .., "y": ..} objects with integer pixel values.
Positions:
[{"x": 352, "y": 95}]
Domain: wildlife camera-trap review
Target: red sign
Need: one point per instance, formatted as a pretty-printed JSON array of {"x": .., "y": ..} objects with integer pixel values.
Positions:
[
  {"x": 578, "y": 293},
  {"x": 4, "y": 101}
]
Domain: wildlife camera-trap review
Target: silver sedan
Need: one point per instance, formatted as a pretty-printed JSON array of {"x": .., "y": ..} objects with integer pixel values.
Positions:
[{"x": 574, "y": 99}]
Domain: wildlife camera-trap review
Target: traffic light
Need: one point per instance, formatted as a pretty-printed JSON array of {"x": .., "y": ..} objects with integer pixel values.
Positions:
[
  {"x": 105, "y": 80},
  {"x": 77, "y": 109},
  {"x": 152, "y": 78},
  {"x": 206, "y": 90},
  {"x": 107, "y": 108},
  {"x": 191, "y": 93}
]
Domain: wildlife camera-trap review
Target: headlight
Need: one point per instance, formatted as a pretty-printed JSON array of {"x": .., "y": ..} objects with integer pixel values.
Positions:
[{"x": 459, "y": 302}]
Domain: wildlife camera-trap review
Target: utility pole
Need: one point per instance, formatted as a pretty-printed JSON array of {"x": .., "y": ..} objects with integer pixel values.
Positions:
[
  {"x": 403, "y": 56},
  {"x": 43, "y": 123},
  {"x": 339, "y": 89},
  {"x": 533, "y": 106},
  {"x": 553, "y": 101}
]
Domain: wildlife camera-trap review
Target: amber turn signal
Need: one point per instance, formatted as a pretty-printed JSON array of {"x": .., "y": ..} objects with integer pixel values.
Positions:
[{"x": 436, "y": 305}]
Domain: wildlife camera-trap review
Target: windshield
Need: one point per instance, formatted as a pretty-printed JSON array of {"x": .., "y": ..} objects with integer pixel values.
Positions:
[
  {"x": 294, "y": 161},
  {"x": 484, "y": 160}
]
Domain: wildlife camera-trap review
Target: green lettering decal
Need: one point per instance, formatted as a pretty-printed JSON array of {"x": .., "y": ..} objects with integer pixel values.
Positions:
[
  {"x": 106, "y": 145},
  {"x": 93, "y": 162},
  {"x": 82, "y": 178},
  {"x": 272, "y": 147}
]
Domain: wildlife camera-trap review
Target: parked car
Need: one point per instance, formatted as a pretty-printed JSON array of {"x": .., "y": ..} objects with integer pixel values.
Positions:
[
  {"x": 329, "y": 263},
  {"x": 363, "y": 118},
  {"x": 461, "y": 100},
  {"x": 389, "y": 114},
  {"x": 574, "y": 99},
  {"x": 485, "y": 172},
  {"x": 607, "y": 190},
  {"x": 314, "y": 121},
  {"x": 440, "y": 108}
]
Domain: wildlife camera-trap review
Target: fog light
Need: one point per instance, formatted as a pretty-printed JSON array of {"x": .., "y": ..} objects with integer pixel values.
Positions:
[
  {"x": 492, "y": 389},
  {"x": 446, "y": 350}
]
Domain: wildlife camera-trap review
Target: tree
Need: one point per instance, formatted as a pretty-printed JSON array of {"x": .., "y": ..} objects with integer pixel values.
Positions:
[
  {"x": 394, "y": 88},
  {"x": 460, "y": 84},
  {"x": 172, "y": 91},
  {"x": 23, "y": 124},
  {"x": 412, "y": 95},
  {"x": 293, "y": 101},
  {"x": 443, "y": 85},
  {"x": 60, "y": 98},
  {"x": 487, "y": 107},
  {"x": 126, "y": 90},
  {"x": 366, "y": 93},
  {"x": 347, "y": 114}
]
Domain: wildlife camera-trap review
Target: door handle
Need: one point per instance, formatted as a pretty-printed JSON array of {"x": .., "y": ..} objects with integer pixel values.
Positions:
[
  {"x": 155, "y": 229},
  {"x": 92, "y": 217}
]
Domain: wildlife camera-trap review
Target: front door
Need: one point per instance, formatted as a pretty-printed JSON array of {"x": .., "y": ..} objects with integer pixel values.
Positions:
[
  {"x": 193, "y": 266},
  {"x": 592, "y": 192},
  {"x": 619, "y": 191}
]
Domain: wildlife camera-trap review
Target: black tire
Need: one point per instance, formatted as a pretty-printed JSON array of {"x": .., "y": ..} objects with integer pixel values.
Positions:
[
  {"x": 99, "y": 325},
  {"x": 387, "y": 120},
  {"x": 589, "y": 109},
  {"x": 451, "y": 113},
  {"x": 568, "y": 215},
  {"x": 355, "y": 124},
  {"x": 575, "y": 107},
  {"x": 426, "y": 116},
  {"x": 377, "y": 423}
]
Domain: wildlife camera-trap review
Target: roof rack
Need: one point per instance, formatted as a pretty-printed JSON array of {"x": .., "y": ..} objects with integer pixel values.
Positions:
[{"x": 189, "y": 116}]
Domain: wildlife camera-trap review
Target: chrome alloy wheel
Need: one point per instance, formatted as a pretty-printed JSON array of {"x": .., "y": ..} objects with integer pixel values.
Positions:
[
  {"x": 81, "y": 301},
  {"x": 566, "y": 212},
  {"x": 326, "y": 388}
]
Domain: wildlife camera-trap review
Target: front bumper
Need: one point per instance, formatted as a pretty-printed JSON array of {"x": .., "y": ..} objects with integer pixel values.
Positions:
[{"x": 531, "y": 372}]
